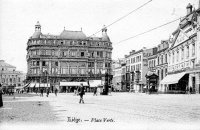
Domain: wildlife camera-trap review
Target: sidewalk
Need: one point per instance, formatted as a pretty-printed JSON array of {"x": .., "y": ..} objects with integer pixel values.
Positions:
[
  {"x": 123, "y": 111},
  {"x": 25, "y": 108}
]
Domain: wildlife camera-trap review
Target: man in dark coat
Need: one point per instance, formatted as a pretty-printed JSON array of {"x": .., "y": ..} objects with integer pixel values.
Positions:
[
  {"x": 41, "y": 92},
  {"x": 95, "y": 91},
  {"x": 48, "y": 91},
  {"x": 56, "y": 91},
  {"x": 1, "y": 99},
  {"x": 81, "y": 92}
]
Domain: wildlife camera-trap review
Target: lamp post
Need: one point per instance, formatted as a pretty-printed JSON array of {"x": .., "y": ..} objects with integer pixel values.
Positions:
[
  {"x": 138, "y": 77},
  {"x": 46, "y": 74},
  {"x": 106, "y": 80},
  {"x": 132, "y": 80}
]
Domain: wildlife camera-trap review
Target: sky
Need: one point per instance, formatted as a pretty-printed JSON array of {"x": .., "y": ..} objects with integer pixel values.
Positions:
[{"x": 18, "y": 19}]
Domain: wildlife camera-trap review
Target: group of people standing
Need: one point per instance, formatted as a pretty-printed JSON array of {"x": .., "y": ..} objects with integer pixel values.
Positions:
[
  {"x": 189, "y": 90},
  {"x": 47, "y": 92}
]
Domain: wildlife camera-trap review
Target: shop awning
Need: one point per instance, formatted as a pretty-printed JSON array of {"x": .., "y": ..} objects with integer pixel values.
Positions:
[
  {"x": 31, "y": 85},
  {"x": 73, "y": 83},
  {"x": 43, "y": 85},
  {"x": 19, "y": 87},
  {"x": 37, "y": 85},
  {"x": 26, "y": 85},
  {"x": 172, "y": 79},
  {"x": 95, "y": 83}
]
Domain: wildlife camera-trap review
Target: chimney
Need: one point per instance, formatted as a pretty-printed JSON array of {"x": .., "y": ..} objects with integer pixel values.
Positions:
[
  {"x": 189, "y": 9},
  {"x": 199, "y": 4},
  {"x": 133, "y": 51},
  {"x": 126, "y": 56},
  {"x": 144, "y": 48}
]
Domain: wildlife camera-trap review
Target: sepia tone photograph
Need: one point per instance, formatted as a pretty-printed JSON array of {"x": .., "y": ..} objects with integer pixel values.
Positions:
[{"x": 100, "y": 64}]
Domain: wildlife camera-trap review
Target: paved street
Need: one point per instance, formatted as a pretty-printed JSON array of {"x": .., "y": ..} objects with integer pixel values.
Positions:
[{"x": 119, "y": 110}]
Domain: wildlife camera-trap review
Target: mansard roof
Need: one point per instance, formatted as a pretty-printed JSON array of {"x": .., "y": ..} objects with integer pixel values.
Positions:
[{"x": 66, "y": 34}]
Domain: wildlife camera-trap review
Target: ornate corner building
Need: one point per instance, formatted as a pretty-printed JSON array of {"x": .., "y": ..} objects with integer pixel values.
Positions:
[
  {"x": 70, "y": 56},
  {"x": 184, "y": 56}
]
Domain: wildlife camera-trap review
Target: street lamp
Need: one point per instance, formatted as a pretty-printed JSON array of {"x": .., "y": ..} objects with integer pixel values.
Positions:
[
  {"x": 106, "y": 82},
  {"x": 132, "y": 80},
  {"x": 137, "y": 77}
]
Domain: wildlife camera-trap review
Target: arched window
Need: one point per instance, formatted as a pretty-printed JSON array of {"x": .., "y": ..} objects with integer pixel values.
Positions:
[
  {"x": 161, "y": 60},
  {"x": 182, "y": 53},
  {"x": 177, "y": 56},
  {"x": 187, "y": 52}
]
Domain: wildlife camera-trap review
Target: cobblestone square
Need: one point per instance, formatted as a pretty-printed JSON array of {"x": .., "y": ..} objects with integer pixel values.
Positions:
[{"x": 116, "y": 111}]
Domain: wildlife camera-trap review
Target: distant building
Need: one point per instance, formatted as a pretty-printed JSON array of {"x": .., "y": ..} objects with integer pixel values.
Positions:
[
  {"x": 136, "y": 69},
  {"x": 117, "y": 69},
  {"x": 152, "y": 76},
  {"x": 152, "y": 61},
  {"x": 184, "y": 57},
  {"x": 70, "y": 56},
  {"x": 9, "y": 76},
  {"x": 162, "y": 63}
]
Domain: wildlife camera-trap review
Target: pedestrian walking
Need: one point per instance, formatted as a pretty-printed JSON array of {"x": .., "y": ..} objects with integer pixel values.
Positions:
[
  {"x": 190, "y": 90},
  {"x": 1, "y": 99},
  {"x": 109, "y": 91},
  {"x": 56, "y": 91},
  {"x": 36, "y": 90},
  {"x": 187, "y": 90},
  {"x": 75, "y": 91},
  {"x": 48, "y": 91},
  {"x": 81, "y": 92},
  {"x": 95, "y": 92},
  {"x": 41, "y": 92}
]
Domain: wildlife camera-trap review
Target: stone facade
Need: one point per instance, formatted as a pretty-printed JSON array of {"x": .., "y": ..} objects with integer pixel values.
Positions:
[
  {"x": 70, "y": 56},
  {"x": 117, "y": 69},
  {"x": 162, "y": 63},
  {"x": 9, "y": 76},
  {"x": 184, "y": 53},
  {"x": 137, "y": 68}
]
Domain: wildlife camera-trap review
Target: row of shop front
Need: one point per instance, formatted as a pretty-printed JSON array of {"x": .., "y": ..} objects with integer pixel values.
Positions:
[
  {"x": 64, "y": 86},
  {"x": 183, "y": 82},
  {"x": 180, "y": 82}
]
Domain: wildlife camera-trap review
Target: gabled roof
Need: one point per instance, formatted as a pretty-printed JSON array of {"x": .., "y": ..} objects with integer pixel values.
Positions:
[{"x": 176, "y": 35}]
